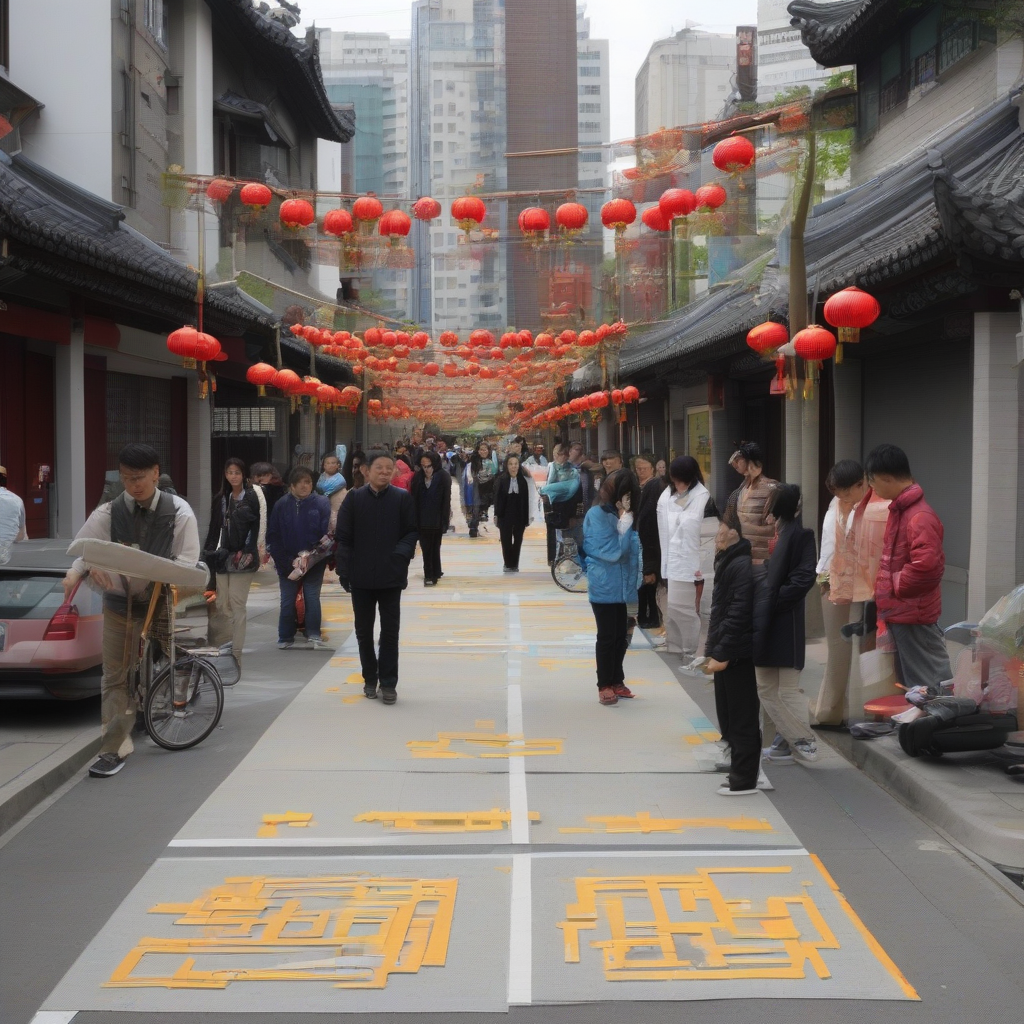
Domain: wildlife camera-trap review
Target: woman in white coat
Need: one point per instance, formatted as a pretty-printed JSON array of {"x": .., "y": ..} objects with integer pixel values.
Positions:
[{"x": 687, "y": 523}]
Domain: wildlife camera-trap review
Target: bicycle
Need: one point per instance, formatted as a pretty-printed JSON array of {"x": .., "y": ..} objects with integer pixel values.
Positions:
[
  {"x": 183, "y": 701},
  {"x": 567, "y": 569}
]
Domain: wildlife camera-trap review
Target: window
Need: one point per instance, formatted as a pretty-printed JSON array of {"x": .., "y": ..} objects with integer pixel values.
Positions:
[
  {"x": 591, "y": 158},
  {"x": 590, "y": 126},
  {"x": 438, "y": 127},
  {"x": 438, "y": 241},
  {"x": 451, "y": 127},
  {"x": 439, "y": 284},
  {"x": 589, "y": 72},
  {"x": 438, "y": 109},
  {"x": 5, "y": 34},
  {"x": 451, "y": 109},
  {"x": 892, "y": 81},
  {"x": 253, "y": 420},
  {"x": 958, "y": 40},
  {"x": 590, "y": 90},
  {"x": 438, "y": 168},
  {"x": 453, "y": 147},
  {"x": 438, "y": 89},
  {"x": 453, "y": 283},
  {"x": 155, "y": 18},
  {"x": 590, "y": 108}
]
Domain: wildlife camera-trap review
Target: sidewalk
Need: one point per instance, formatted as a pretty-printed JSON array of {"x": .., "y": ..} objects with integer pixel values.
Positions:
[{"x": 967, "y": 796}]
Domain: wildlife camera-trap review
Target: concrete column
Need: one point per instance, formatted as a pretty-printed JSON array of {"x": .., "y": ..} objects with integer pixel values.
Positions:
[
  {"x": 846, "y": 386},
  {"x": 197, "y": 114},
  {"x": 996, "y": 451},
  {"x": 200, "y": 487},
  {"x": 792, "y": 462},
  {"x": 607, "y": 434},
  {"x": 69, "y": 471}
]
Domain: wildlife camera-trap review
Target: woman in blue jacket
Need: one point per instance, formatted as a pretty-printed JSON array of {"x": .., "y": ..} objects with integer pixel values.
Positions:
[
  {"x": 298, "y": 522},
  {"x": 612, "y": 553}
]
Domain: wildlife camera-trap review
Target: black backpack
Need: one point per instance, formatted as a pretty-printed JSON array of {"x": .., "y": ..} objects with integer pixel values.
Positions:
[{"x": 931, "y": 736}]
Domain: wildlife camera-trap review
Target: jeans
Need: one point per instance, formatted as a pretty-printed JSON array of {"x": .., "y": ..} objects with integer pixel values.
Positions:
[
  {"x": 612, "y": 643},
  {"x": 738, "y": 721},
  {"x": 310, "y": 584},
  {"x": 382, "y": 669},
  {"x": 430, "y": 548},
  {"x": 511, "y": 544},
  {"x": 921, "y": 656}
]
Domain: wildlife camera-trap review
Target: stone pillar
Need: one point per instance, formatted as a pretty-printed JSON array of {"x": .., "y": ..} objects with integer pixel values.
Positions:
[
  {"x": 792, "y": 462},
  {"x": 197, "y": 115},
  {"x": 69, "y": 470},
  {"x": 200, "y": 486},
  {"x": 996, "y": 450}
]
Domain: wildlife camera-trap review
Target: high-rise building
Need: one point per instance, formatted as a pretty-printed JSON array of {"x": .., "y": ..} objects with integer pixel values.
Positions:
[
  {"x": 783, "y": 62},
  {"x": 685, "y": 79},
  {"x": 369, "y": 73},
  {"x": 493, "y": 108}
]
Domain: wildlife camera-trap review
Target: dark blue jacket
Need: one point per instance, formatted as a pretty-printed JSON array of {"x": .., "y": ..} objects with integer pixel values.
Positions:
[
  {"x": 376, "y": 536},
  {"x": 296, "y": 524}
]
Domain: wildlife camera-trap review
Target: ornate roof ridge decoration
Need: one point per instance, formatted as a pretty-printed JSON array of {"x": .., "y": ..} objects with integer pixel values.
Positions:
[
  {"x": 839, "y": 33},
  {"x": 274, "y": 48},
  {"x": 63, "y": 234}
]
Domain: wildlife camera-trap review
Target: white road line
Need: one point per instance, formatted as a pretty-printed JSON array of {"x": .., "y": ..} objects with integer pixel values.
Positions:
[
  {"x": 520, "y": 939},
  {"x": 54, "y": 1016},
  {"x": 518, "y": 802}
]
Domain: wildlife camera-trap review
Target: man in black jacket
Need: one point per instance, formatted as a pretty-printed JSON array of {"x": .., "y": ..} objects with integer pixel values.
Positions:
[
  {"x": 729, "y": 650},
  {"x": 376, "y": 537}
]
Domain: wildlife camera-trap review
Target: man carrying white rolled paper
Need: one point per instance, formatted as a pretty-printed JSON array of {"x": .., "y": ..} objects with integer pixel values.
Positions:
[{"x": 155, "y": 522}]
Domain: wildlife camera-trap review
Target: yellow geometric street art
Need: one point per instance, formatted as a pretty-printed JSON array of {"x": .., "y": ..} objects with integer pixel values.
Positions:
[
  {"x": 493, "y": 820},
  {"x": 352, "y": 931},
  {"x": 493, "y": 744},
  {"x": 643, "y": 823},
  {"x": 682, "y": 928},
  {"x": 294, "y": 819}
]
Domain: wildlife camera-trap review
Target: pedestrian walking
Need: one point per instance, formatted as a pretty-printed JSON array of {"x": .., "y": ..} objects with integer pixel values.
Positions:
[
  {"x": 537, "y": 456},
  {"x": 269, "y": 488},
  {"x": 352, "y": 470},
  {"x": 160, "y": 524},
  {"x": 749, "y": 502},
  {"x": 431, "y": 491},
  {"x": 687, "y": 522},
  {"x": 478, "y": 482},
  {"x": 332, "y": 485},
  {"x": 908, "y": 586},
  {"x": 648, "y": 615},
  {"x": 779, "y": 637},
  {"x": 232, "y": 554},
  {"x": 12, "y": 518},
  {"x": 612, "y": 551},
  {"x": 299, "y": 523},
  {"x": 512, "y": 510},
  {"x": 851, "y": 547},
  {"x": 376, "y": 541},
  {"x": 729, "y": 649}
]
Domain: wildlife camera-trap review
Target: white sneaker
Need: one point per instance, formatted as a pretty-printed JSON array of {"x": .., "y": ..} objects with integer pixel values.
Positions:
[
  {"x": 805, "y": 750},
  {"x": 763, "y": 782},
  {"x": 724, "y": 790},
  {"x": 657, "y": 642},
  {"x": 320, "y": 645}
]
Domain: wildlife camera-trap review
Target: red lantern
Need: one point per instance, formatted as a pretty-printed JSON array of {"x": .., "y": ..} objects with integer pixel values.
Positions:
[
  {"x": 710, "y": 197},
  {"x": 677, "y": 202},
  {"x": 468, "y": 212},
  {"x": 183, "y": 343},
  {"x": 367, "y": 208},
  {"x": 534, "y": 220},
  {"x": 389, "y": 339},
  {"x": 395, "y": 224},
  {"x": 219, "y": 190},
  {"x": 630, "y": 394},
  {"x": 814, "y": 343},
  {"x": 448, "y": 339},
  {"x": 285, "y": 380},
  {"x": 426, "y": 209},
  {"x": 481, "y": 338},
  {"x": 207, "y": 348},
  {"x": 587, "y": 338},
  {"x": 431, "y": 369},
  {"x": 420, "y": 340},
  {"x": 617, "y": 397},
  {"x": 544, "y": 341},
  {"x": 851, "y": 310},
  {"x": 567, "y": 337},
  {"x": 655, "y": 219},
  {"x": 767, "y": 337},
  {"x": 338, "y": 222},
  {"x": 297, "y": 213},
  {"x": 571, "y": 217},
  {"x": 618, "y": 214},
  {"x": 373, "y": 336},
  {"x": 733, "y": 154},
  {"x": 260, "y": 374},
  {"x": 256, "y": 196}
]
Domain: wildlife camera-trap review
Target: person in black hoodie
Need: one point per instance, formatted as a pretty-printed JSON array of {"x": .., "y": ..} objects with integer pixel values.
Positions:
[
  {"x": 779, "y": 638},
  {"x": 231, "y": 552},
  {"x": 512, "y": 510},
  {"x": 376, "y": 538},
  {"x": 431, "y": 491},
  {"x": 648, "y": 616},
  {"x": 729, "y": 652}
]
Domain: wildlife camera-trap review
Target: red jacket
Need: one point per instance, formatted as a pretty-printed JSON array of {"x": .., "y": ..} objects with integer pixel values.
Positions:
[{"x": 908, "y": 588}]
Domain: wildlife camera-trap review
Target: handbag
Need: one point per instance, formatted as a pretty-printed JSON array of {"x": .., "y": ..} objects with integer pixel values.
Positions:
[{"x": 240, "y": 561}]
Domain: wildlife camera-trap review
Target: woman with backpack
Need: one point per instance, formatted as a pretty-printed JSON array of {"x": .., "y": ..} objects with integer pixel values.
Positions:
[
  {"x": 512, "y": 510},
  {"x": 237, "y": 521},
  {"x": 779, "y": 638},
  {"x": 611, "y": 549}
]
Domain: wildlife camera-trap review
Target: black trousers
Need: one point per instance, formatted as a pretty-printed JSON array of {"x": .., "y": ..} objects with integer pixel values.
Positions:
[
  {"x": 430, "y": 547},
  {"x": 612, "y": 643},
  {"x": 551, "y": 542},
  {"x": 648, "y": 615},
  {"x": 364, "y": 606},
  {"x": 739, "y": 714},
  {"x": 511, "y": 543}
]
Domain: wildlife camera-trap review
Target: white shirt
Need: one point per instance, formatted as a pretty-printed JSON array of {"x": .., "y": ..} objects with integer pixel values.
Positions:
[
  {"x": 12, "y": 517},
  {"x": 184, "y": 546},
  {"x": 828, "y": 535}
]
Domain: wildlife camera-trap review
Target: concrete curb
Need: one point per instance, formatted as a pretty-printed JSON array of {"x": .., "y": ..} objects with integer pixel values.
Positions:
[
  {"x": 972, "y": 815},
  {"x": 34, "y": 785}
]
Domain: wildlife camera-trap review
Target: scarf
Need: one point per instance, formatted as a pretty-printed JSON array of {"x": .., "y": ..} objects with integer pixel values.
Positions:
[
  {"x": 328, "y": 485},
  {"x": 513, "y": 486}
]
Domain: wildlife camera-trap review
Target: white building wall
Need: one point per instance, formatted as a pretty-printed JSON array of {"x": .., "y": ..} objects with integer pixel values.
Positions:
[
  {"x": 594, "y": 122},
  {"x": 783, "y": 61},
  {"x": 60, "y": 53}
]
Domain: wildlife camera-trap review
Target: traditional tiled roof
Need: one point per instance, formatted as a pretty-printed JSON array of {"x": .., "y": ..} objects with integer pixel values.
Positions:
[
  {"x": 838, "y": 33},
  {"x": 63, "y": 234},
  {"x": 293, "y": 65}
]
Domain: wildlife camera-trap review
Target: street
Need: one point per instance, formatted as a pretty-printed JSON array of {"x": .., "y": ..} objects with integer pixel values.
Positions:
[{"x": 495, "y": 843}]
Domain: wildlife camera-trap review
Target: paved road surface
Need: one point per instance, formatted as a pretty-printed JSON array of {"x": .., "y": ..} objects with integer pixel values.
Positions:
[{"x": 496, "y": 843}]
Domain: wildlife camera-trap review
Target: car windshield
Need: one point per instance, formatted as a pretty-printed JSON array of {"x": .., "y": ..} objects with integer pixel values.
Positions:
[{"x": 29, "y": 596}]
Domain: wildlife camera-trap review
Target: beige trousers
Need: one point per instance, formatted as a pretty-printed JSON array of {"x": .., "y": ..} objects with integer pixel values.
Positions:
[
  {"x": 682, "y": 623},
  {"x": 830, "y": 707},
  {"x": 117, "y": 697},
  {"x": 226, "y": 623},
  {"x": 783, "y": 702}
]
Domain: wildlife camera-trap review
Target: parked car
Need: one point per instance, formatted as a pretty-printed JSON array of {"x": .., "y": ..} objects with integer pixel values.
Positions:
[{"x": 48, "y": 648}]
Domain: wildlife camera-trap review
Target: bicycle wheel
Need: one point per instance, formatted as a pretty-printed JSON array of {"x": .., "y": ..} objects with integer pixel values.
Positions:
[
  {"x": 569, "y": 574},
  {"x": 183, "y": 707}
]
